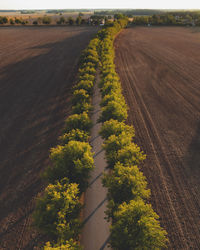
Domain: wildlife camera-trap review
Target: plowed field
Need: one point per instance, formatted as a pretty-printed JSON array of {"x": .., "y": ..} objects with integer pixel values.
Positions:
[
  {"x": 37, "y": 71},
  {"x": 160, "y": 73}
]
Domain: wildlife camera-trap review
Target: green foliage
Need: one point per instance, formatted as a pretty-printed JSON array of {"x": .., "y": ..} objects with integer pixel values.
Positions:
[
  {"x": 109, "y": 87},
  {"x": 67, "y": 245},
  {"x": 87, "y": 70},
  {"x": 57, "y": 211},
  {"x": 136, "y": 226},
  {"x": 78, "y": 121},
  {"x": 81, "y": 107},
  {"x": 11, "y": 21},
  {"x": 86, "y": 85},
  {"x": 46, "y": 20},
  {"x": 74, "y": 161},
  {"x": 86, "y": 77},
  {"x": 114, "y": 110},
  {"x": 3, "y": 20},
  {"x": 130, "y": 155},
  {"x": 124, "y": 184},
  {"x": 80, "y": 95},
  {"x": 87, "y": 64},
  {"x": 113, "y": 144},
  {"x": 74, "y": 135},
  {"x": 114, "y": 95},
  {"x": 114, "y": 127},
  {"x": 78, "y": 20},
  {"x": 108, "y": 77},
  {"x": 70, "y": 21}
]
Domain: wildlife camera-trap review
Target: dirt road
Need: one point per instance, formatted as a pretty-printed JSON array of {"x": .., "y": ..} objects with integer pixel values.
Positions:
[
  {"x": 95, "y": 233},
  {"x": 160, "y": 73},
  {"x": 37, "y": 70}
]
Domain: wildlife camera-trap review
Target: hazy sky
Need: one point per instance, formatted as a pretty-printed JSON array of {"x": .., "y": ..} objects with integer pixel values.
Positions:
[{"x": 78, "y": 4}]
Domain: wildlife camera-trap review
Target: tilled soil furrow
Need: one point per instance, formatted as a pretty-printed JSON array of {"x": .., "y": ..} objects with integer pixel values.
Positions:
[{"x": 164, "y": 108}]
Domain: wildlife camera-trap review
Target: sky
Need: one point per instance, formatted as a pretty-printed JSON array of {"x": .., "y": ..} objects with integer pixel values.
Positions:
[{"x": 94, "y": 4}]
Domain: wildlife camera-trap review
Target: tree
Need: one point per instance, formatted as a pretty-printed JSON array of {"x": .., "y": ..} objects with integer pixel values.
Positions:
[
  {"x": 78, "y": 20},
  {"x": 80, "y": 95},
  {"x": 46, "y": 20},
  {"x": 70, "y": 21},
  {"x": 3, "y": 20},
  {"x": 130, "y": 154},
  {"x": 124, "y": 184},
  {"x": 74, "y": 161},
  {"x": 18, "y": 21},
  {"x": 86, "y": 85},
  {"x": 78, "y": 121},
  {"x": 12, "y": 21},
  {"x": 74, "y": 135},
  {"x": 114, "y": 127},
  {"x": 113, "y": 144},
  {"x": 114, "y": 110},
  {"x": 136, "y": 226},
  {"x": 57, "y": 211},
  {"x": 67, "y": 245}
]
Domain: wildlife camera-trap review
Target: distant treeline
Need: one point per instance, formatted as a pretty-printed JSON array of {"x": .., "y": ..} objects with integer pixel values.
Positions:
[
  {"x": 170, "y": 18},
  {"x": 67, "y": 11},
  {"x": 128, "y": 12}
]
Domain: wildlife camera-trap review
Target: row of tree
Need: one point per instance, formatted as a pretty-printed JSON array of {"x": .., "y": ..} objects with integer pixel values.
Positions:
[
  {"x": 173, "y": 18},
  {"x": 57, "y": 211},
  {"x": 44, "y": 20},
  {"x": 134, "y": 223}
]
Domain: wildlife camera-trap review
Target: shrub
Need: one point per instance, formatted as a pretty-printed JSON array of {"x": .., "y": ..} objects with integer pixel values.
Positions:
[
  {"x": 46, "y": 20},
  {"x": 87, "y": 70},
  {"x": 109, "y": 77},
  {"x": 80, "y": 95},
  {"x": 81, "y": 107},
  {"x": 70, "y": 21},
  {"x": 3, "y": 20},
  {"x": 113, "y": 96},
  {"x": 74, "y": 161},
  {"x": 67, "y": 245},
  {"x": 110, "y": 86},
  {"x": 114, "y": 127},
  {"x": 114, "y": 110},
  {"x": 86, "y": 85},
  {"x": 86, "y": 77},
  {"x": 130, "y": 155},
  {"x": 87, "y": 64},
  {"x": 113, "y": 144},
  {"x": 11, "y": 21},
  {"x": 78, "y": 121},
  {"x": 124, "y": 184},
  {"x": 74, "y": 135},
  {"x": 136, "y": 226},
  {"x": 57, "y": 210}
]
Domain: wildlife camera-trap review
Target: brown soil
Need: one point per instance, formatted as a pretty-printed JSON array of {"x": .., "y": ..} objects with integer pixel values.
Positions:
[
  {"x": 160, "y": 71},
  {"x": 37, "y": 70}
]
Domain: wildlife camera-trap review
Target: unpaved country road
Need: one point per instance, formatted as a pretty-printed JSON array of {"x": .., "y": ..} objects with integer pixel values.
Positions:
[
  {"x": 95, "y": 233},
  {"x": 37, "y": 70},
  {"x": 160, "y": 73}
]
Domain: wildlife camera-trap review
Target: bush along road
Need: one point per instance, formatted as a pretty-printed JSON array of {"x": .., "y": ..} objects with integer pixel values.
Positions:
[
  {"x": 57, "y": 211},
  {"x": 57, "y": 214}
]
